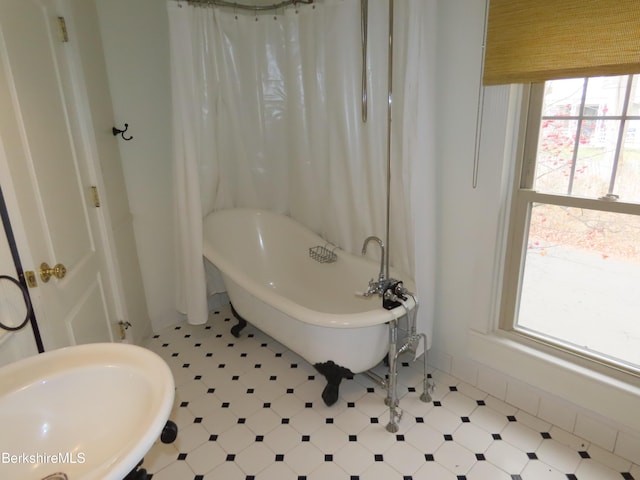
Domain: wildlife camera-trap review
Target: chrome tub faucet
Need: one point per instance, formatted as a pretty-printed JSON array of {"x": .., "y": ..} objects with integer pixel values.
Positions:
[{"x": 376, "y": 286}]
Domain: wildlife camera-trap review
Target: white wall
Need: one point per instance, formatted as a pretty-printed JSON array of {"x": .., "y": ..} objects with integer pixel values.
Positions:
[
  {"x": 136, "y": 43},
  {"x": 463, "y": 221},
  {"x": 470, "y": 217}
]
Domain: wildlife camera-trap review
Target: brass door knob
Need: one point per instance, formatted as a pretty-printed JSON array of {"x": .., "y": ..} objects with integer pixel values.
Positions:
[{"x": 46, "y": 272}]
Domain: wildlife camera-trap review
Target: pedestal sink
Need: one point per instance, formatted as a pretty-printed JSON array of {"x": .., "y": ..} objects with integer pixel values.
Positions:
[{"x": 82, "y": 413}]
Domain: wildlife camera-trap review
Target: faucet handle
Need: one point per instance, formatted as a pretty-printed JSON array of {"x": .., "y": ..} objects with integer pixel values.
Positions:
[
  {"x": 363, "y": 294},
  {"x": 372, "y": 290},
  {"x": 375, "y": 286}
]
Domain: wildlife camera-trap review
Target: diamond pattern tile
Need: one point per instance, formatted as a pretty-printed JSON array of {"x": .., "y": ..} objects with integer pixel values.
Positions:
[{"x": 249, "y": 409}]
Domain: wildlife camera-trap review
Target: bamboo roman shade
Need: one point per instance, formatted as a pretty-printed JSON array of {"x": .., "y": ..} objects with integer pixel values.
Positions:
[{"x": 537, "y": 40}]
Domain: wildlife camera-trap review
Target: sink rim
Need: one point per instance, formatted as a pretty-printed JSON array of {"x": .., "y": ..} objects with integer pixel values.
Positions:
[{"x": 39, "y": 369}]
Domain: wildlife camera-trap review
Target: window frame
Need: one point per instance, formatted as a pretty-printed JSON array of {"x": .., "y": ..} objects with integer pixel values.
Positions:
[{"x": 523, "y": 197}]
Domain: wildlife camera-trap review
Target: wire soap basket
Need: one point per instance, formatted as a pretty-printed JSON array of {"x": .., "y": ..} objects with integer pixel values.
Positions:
[{"x": 322, "y": 254}]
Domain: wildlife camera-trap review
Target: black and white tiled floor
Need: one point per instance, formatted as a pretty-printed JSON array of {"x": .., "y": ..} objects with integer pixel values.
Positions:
[{"x": 250, "y": 409}]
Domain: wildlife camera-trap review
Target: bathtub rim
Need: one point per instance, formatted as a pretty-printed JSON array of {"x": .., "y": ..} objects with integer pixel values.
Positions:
[{"x": 289, "y": 307}]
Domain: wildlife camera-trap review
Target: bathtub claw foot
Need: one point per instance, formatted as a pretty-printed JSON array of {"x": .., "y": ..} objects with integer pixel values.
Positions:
[
  {"x": 236, "y": 329},
  {"x": 334, "y": 375}
]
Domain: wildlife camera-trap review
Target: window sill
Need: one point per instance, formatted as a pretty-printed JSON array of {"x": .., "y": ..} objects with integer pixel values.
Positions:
[{"x": 612, "y": 394}]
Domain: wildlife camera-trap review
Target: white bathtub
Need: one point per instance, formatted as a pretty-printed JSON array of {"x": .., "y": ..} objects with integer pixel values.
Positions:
[{"x": 310, "y": 307}]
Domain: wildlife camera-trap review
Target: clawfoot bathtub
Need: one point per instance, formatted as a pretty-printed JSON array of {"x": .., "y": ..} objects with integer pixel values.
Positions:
[{"x": 310, "y": 307}]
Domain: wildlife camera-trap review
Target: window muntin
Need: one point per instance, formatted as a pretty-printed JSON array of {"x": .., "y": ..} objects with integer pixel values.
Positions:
[{"x": 588, "y": 133}]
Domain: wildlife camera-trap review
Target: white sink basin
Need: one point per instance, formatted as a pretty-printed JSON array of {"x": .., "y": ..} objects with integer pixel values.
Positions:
[{"x": 88, "y": 411}]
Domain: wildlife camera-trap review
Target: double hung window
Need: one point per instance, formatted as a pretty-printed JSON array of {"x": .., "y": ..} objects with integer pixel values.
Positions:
[{"x": 573, "y": 265}]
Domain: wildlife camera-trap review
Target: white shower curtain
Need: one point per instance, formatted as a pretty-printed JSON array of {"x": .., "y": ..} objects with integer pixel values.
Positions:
[{"x": 267, "y": 114}]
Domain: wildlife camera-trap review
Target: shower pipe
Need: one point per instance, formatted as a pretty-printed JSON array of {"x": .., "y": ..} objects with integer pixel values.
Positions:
[
  {"x": 364, "y": 17},
  {"x": 389, "y": 104},
  {"x": 254, "y": 8}
]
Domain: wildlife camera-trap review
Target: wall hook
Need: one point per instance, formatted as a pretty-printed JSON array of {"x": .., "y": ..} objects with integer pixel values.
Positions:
[{"x": 117, "y": 131}]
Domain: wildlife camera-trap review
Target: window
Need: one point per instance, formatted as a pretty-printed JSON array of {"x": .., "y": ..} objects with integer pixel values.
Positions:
[{"x": 573, "y": 263}]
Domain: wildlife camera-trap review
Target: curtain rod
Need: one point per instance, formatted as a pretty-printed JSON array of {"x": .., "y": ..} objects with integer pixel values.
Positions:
[{"x": 254, "y": 8}]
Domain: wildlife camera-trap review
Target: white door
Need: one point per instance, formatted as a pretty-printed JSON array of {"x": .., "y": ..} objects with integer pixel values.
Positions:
[{"x": 42, "y": 145}]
